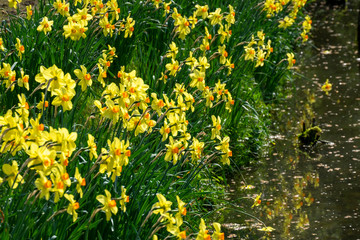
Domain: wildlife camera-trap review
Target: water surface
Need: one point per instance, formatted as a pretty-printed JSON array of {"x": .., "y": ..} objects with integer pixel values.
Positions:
[{"x": 310, "y": 194}]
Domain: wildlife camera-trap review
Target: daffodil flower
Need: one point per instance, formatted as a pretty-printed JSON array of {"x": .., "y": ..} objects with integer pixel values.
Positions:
[
  {"x": 20, "y": 48},
  {"x": 29, "y": 12},
  {"x": 44, "y": 185},
  {"x": 72, "y": 207},
  {"x": 92, "y": 146},
  {"x": 203, "y": 233},
  {"x": 12, "y": 171},
  {"x": 124, "y": 199},
  {"x": 326, "y": 87},
  {"x": 173, "y": 150},
  {"x": 2, "y": 48},
  {"x": 198, "y": 79},
  {"x": 84, "y": 77},
  {"x": 291, "y": 60},
  {"x": 266, "y": 229},
  {"x": 218, "y": 235},
  {"x": 24, "y": 80},
  {"x": 257, "y": 201},
  {"x": 81, "y": 182},
  {"x": 173, "y": 67},
  {"x": 215, "y": 17},
  {"x": 202, "y": 11},
  {"x": 109, "y": 204},
  {"x": 162, "y": 206},
  {"x": 45, "y": 25},
  {"x": 63, "y": 98}
]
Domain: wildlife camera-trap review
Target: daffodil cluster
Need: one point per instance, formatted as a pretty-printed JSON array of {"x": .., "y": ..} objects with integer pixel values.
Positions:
[
  {"x": 60, "y": 85},
  {"x": 49, "y": 154},
  {"x": 256, "y": 50},
  {"x": 8, "y": 77},
  {"x": 48, "y": 151},
  {"x": 88, "y": 13},
  {"x": 273, "y": 7},
  {"x": 173, "y": 223},
  {"x": 306, "y": 25}
]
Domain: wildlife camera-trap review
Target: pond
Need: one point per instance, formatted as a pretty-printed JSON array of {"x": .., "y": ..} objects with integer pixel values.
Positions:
[{"x": 310, "y": 193}]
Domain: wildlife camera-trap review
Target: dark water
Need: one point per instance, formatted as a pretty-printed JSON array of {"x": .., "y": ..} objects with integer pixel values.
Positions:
[{"x": 310, "y": 194}]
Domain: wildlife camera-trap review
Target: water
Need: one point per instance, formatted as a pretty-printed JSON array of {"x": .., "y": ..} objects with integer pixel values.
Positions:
[{"x": 310, "y": 194}]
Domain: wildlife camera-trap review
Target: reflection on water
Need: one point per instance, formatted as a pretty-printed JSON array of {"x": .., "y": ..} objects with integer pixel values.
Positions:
[{"x": 313, "y": 194}]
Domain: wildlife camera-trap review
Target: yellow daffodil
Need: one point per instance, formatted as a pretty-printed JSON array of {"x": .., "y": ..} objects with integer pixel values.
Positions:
[
  {"x": 183, "y": 28},
  {"x": 62, "y": 7},
  {"x": 20, "y": 48},
  {"x": 286, "y": 22},
  {"x": 291, "y": 60},
  {"x": 162, "y": 206},
  {"x": 74, "y": 30},
  {"x": 215, "y": 17},
  {"x": 29, "y": 12},
  {"x": 44, "y": 185},
  {"x": 109, "y": 204},
  {"x": 165, "y": 130},
  {"x": 81, "y": 182},
  {"x": 129, "y": 27},
  {"x": 92, "y": 147},
  {"x": 198, "y": 79},
  {"x": 260, "y": 57},
  {"x": 114, "y": 9},
  {"x": 2, "y": 47},
  {"x": 45, "y": 25},
  {"x": 59, "y": 186},
  {"x": 326, "y": 87},
  {"x": 82, "y": 16},
  {"x": 12, "y": 172},
  {"x": 203, "y": 63},
  {"x": 84, "y": 77},
  {"x": 173, "y": 51},
  {"x": 224, "y": 33},
  {"x": 217, "y": 235},
  {"x": 197, "y": 149},
  {"x": 173, "y": 67},
  {"x": 156, "y": 3},
  {"x": 118, "y": 153},
  {"x": 107, "y": 27},
  {"x": 181, "y": 206},
  {"x": 249, "y": 53},
  {"x": 173, "y": 150},
  {"x": 63, "y": 98},
  {"x": 191, "y": 61},
  {"x": 205, "y": 45},
  {"x": 166, "y": 8},
  {"x": 257, "y": 201},
  {"x": 123, "y": 199},
  {"x": 266, "y": 229},
  {"x": 202, "y": 11},
  {"x": 24, "y": 80},
  {"x": 173, "y": 227},
  {"x": 215, "y": 130},
  {"x": 224, "y": 148},
  {"x": 230, "y": 18},
  {"x": 42, "y": 104},
  {"x": 13, "y": 3},
  {"x": 223, "y": 54},
  {"x": 203, "y": 233},
  {"x": 72, "y": 207}
]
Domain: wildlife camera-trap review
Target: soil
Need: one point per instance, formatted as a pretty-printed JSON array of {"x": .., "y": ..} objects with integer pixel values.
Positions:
[{"x": 5, "y": 9}]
